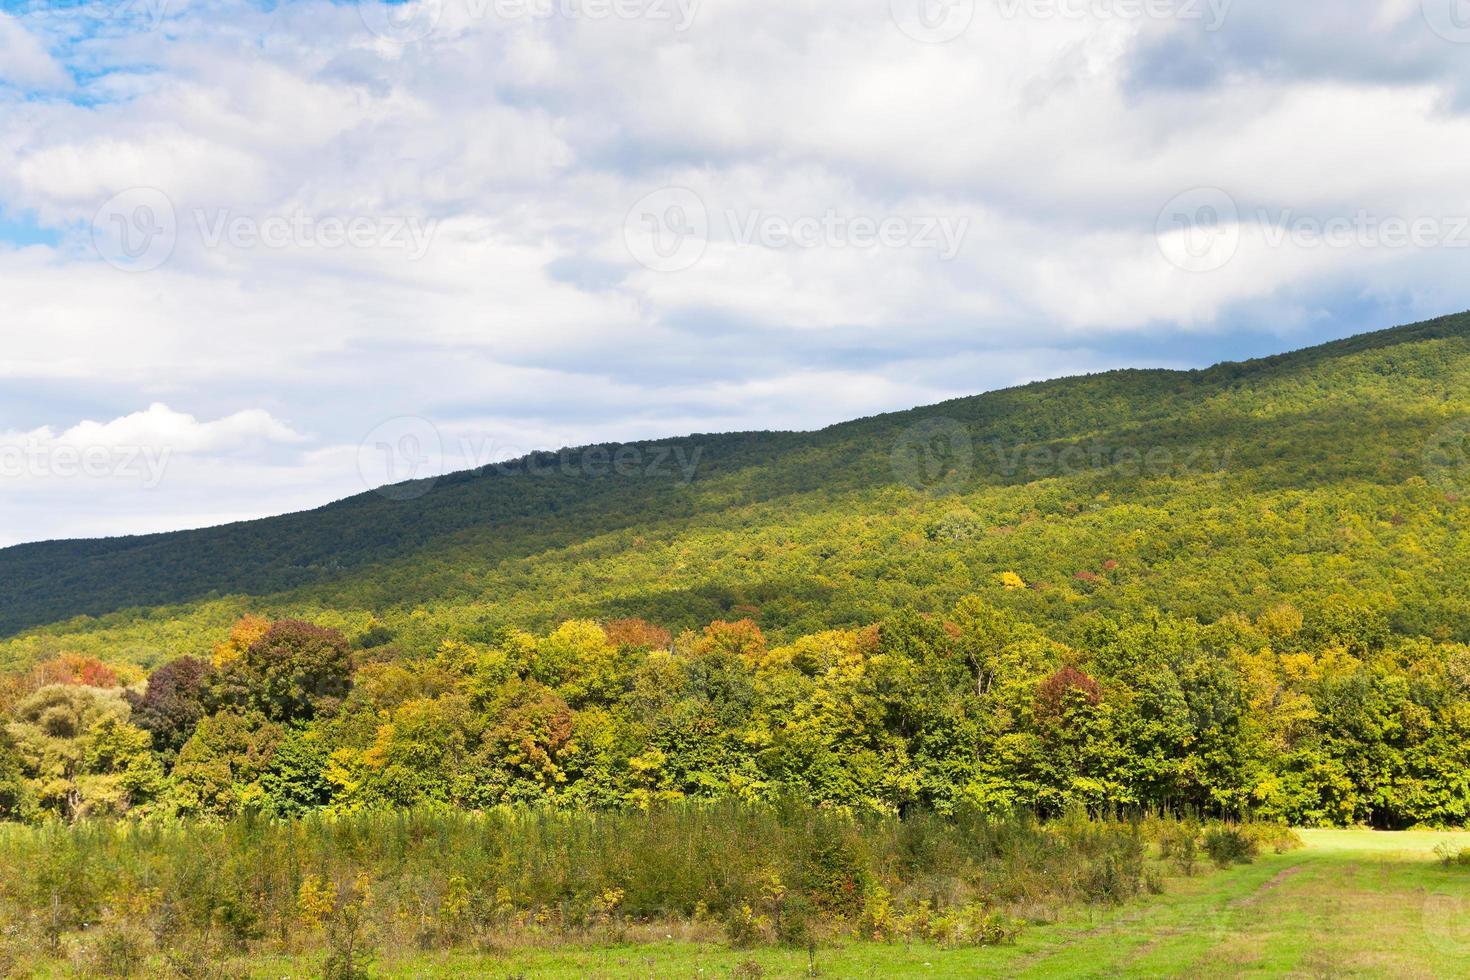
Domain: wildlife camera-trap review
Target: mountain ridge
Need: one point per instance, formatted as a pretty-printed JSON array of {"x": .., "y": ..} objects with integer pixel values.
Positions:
[{"x": 481, "y": 531}]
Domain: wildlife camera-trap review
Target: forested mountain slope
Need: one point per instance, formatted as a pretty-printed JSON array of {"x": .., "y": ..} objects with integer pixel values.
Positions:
[{"x": 1336, "y": 471}]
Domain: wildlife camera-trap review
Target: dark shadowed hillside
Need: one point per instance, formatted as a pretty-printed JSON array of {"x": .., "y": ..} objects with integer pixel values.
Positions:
[{"x": 1330, "y": 470}]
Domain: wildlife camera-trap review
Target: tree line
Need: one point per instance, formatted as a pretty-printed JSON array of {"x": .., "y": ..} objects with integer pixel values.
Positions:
[{"x": 1325, "y": 718}]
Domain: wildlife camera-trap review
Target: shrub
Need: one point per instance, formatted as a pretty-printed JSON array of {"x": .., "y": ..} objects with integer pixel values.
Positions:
[
  {"x": 119, "y": 951},
  {"x": 974, "y": 925},
  {"x": 744, "y": 928},
  {"x": 837, "y": 876},
  {"x": 1278, "y": 837},
  {"x": 349, "y": 955},
  {"x": 1179, "y": 844},
  {"x": 1230, "y": 845},
  {"x": 1113, "y": 878},
  {"x": 1450, "y": 856}
]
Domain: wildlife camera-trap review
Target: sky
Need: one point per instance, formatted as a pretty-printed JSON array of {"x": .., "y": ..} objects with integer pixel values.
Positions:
[{"x": 255, "y": 257}]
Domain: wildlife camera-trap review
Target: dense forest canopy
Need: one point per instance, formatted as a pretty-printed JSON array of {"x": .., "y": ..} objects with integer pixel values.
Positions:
[
  {"x": 1321, "y": 720},
  {"x": 1233, "y": 590},
  {"x": 1335, "y": 471}
]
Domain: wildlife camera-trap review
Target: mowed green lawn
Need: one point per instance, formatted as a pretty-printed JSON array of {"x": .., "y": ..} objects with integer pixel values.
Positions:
[{"x": 1351, "y": 903}]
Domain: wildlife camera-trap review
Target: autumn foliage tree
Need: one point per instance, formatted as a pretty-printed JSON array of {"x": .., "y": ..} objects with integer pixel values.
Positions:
[
  {"x": 243, "y": 634},
  {"x": 638, "y": 634},
  {"x": 1054, "y": 693},
  {"x": 172, "y": 702},
  {"x": 293, "y": 672},
  {"x": 1307, "y": 714},
  {"x": 69, "y": 669}
]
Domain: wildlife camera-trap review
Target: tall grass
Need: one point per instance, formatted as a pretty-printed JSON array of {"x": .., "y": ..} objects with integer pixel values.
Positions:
[{"x": 420, "y": 880}]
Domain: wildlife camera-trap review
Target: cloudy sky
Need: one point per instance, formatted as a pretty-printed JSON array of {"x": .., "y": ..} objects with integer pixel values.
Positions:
[{"x": 252, "y": 254}]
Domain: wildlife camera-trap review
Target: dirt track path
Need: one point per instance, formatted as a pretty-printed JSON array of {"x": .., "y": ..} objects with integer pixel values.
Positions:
[{"x": 1352, "y": 903}]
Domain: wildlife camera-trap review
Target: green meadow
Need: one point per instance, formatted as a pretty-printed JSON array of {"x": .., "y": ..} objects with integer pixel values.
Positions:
[{"x": 1351, "y": 903}]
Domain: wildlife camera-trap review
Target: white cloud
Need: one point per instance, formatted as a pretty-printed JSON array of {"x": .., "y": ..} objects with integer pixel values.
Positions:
[
  {"x": 144, "y": 470},
  {"x": 24, "y": 61},
  {"x": 161, "y": 427},
  {"x": 522, "y": 143}
]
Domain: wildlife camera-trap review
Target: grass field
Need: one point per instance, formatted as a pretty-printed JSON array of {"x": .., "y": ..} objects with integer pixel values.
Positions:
[{"x": 1351, "y": 903}]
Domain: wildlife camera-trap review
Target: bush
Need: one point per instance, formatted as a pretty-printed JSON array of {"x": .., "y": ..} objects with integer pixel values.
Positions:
[
  {"x": 1230, "y": 845},
  {"x": 119, "y": 951},
  {"x": 349, "y": 955},
  {"x": 1278, "y": 837},
  {"x": 1113, "y": 878},
  {"x": 1179, "y": 844},
  {"x": 1449, "y": 856}
]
